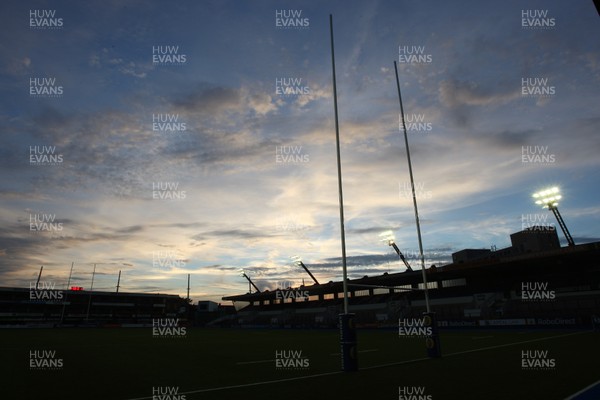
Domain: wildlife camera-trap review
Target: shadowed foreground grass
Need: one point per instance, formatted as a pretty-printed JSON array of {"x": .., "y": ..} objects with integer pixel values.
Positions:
[{"x": 114, "y": 364}]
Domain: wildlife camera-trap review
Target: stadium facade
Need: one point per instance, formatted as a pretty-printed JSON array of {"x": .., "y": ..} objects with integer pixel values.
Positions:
[
  {"x": 42, "y": 305},
  {"x": 534, "y": 282}
]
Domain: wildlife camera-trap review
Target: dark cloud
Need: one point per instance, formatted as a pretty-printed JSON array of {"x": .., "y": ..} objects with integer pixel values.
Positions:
[
  {"x": 131, "y": 229},
  {"x": 511, "y": 139},
  {"x": 20, "y": 246},
  {"x": 234, "y": 234},
  {"x": 209, "y": 101},
  {"x": 372, "y": 262}
]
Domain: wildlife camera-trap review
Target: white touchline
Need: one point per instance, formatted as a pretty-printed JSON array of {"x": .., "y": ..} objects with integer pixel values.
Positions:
[{"x": 582, "y": 390}]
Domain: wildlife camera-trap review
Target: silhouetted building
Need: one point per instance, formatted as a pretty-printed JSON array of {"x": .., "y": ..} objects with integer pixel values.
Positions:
[
  {"x": 207, "y": 306},
  {"x": 467, "y": 255},
  {"x": 535, "y": 239},
  {"x": 480, "y": 288},
  {"x": 531, "y": 240},
  {"x": 22, "y": 306}
]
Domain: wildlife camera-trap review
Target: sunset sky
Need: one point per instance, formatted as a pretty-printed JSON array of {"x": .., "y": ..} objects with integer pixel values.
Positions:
[{"x": 236, "y": 174}]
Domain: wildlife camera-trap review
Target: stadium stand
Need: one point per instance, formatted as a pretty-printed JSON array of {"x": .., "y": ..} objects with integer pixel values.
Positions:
[{"x": 480, "y": 288}]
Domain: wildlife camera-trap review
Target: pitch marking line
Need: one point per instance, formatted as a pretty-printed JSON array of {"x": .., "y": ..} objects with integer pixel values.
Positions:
[
  {"x": 360, "y": 351},
  {"x": 253, "y": 362},
  {"x": 513, "y": 344},
  {"x": 582, "y": 391},
  {"x": 250, "y": 384},
  {"x": 364, "y": 369}
]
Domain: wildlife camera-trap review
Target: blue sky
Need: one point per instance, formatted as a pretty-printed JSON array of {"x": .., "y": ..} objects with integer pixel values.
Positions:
[{"x": 238, "y": 202}]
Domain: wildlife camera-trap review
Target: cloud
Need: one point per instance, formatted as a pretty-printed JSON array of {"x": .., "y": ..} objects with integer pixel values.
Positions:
[
  {"x": 317, "y": 92},
  {"x": 18, "y": 66},
  {"x": 217, "y": 102},
  {"x": 453, "y": 93},
  {"x": 107, "y": 59},
  {"x": 261, "y": 103}
]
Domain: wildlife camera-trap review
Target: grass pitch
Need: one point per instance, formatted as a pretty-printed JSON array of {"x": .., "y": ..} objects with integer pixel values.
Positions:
[{"x": 122, "y": 364}]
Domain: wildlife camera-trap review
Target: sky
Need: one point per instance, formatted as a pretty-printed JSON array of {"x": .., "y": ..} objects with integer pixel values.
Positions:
[{"x": 162, "y": 139}]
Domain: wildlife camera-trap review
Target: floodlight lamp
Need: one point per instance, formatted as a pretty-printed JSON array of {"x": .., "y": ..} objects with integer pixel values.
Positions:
[
  {"x": 296, "y": 259},
  {"x": 548, "y": 198},
  {"x": 388, "y": 236}
]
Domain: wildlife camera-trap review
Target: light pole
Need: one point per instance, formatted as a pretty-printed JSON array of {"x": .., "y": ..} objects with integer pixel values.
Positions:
[
  {"x": 548, "y": 198},
  {"x": 298, "y": 261},
  {"x": 388, "y": 236},
  {"x": 250, "y": 283},
  {"x": 90, "y": 298}
]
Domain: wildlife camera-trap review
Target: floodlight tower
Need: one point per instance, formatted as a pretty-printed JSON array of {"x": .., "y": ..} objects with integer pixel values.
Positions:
[
  {"x": 549, "y": 199},
  {"x": 388, "y": 236},
  {"x": 250, "y": 282},
  {"x": 298, "y": 261}
]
